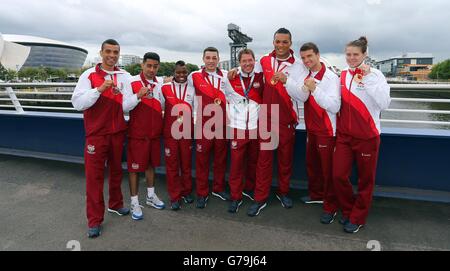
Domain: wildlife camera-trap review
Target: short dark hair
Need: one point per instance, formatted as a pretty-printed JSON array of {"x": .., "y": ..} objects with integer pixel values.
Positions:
[
  {"x": 110, "y": 42},
  {"x": 309, "y": 46},
  {"x": 152, "y": 56},
  {"x": 180, "y": 63},
  {"x": 246, "y": 51},
  {"x": 210, "y": 49},
  {"x": 361, "y": 43},
  {"x": 283, "y": 31}
]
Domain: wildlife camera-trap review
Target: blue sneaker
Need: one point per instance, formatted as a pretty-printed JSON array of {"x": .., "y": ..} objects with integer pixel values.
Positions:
[
  {"x": 286, "y": 202},
  {"x": 234, "y": 206},
  {"x": 222, "y": 195},
  {"x": 155, "y": 202},
  {"x": 344, "y": 221},
  {"x": 256, "y": 208},
  {"x": 121, "y": 211},
  {"x": 201, "y": 202},
  {"x": 352, "y": 228},
  {"x": 188, "y": 199},
  {"x": 95, "y": 232},
  {"x": 327, "y": 218},
  {"x": 175, "y": 206},
  {"x": 249, "y": 194},
  {"x": 136, "y": 212}
]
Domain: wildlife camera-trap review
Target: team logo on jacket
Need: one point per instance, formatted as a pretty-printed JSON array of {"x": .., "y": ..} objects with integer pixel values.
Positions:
[
  {"x": 256, "y": 85},
  {"x": 199, "y": 148},
  {"x": 135, "y": 166},
  {"x": 234, "y": 145},
  {"x": 167, "y": 150},
  {"x": 91, "y": 149}
]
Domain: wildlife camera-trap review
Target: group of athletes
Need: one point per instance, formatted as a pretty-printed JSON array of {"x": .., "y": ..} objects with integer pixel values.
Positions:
[{"x": 251, "y": 111}]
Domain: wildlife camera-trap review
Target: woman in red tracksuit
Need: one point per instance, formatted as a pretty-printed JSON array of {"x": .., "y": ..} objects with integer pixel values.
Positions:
[{"x": 365, "y": 93}]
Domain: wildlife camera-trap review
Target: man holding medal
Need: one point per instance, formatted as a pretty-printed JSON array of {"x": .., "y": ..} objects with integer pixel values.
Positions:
[
  {"x": 178, "y": 130},
  {"x": 210, "y": 127},
  {"x": 244, "y": 95},
  {"x": 320, "y": 94},
  {"x": 279, "y": 67},
  {"x": 144, "y": 133},
  {"x": 101, "y": 94}
]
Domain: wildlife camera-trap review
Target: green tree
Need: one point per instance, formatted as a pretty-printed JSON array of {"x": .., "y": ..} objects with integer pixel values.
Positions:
[
  {"x": 441, "y": 70},
  {"x": 7, "y": 75}
]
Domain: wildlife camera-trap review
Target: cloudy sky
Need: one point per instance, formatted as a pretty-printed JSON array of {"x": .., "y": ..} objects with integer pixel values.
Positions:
[{"x": 180, "y": 29}]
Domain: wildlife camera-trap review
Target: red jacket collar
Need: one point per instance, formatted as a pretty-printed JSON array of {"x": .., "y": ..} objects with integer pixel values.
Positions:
[
  {"x": 321, "y": 73},
  {"x": 205, "y": 73},
  {"x": 291, "y": 59},
  {"x": 100, "y": 71},
  {"x": 145, "y": 81}
]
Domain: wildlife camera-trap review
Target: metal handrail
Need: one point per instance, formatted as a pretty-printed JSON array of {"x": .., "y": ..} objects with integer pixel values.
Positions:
[{"x": 33, "y": 90}]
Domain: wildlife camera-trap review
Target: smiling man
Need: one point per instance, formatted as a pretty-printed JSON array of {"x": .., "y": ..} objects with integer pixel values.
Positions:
[
  {"x": 101, "y": 94},
  {"x": 244, "y": 95}
]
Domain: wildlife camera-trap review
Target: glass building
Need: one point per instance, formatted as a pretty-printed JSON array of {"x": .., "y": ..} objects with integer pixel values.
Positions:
[{"x": 50, "y": 53}]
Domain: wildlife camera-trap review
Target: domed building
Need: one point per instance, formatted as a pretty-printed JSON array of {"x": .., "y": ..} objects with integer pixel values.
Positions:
[{"x": 50, "y": 53}]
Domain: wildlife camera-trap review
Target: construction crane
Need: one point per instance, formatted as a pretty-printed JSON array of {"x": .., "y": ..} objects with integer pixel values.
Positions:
[{"x": 240, "y": 41}]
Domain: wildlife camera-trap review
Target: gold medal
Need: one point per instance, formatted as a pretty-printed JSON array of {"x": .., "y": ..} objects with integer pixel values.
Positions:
[
  {"x": 273, "y": 82},
  {"x": 217, "y": 101}
]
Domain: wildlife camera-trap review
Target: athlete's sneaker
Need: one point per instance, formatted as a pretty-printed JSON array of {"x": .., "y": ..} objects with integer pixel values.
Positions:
[
  {"x": 155, "y": 202},
  {"x": 249, "y": 194},
  {"x": 136, "y": 212},
  {"x": 327, "y": 218},
  {"x": 308, "y": 200},
  {"x": 344, "y": 221},
  {"x": 188, "y": 199},
  {"x": 352, "y": 228},
  {"x": 222, "y": 195},
  {"x": 234, "y": 206},
  {"x": 286, "y": 202},
  {"x": 256, "y": 208},
  {"x": 121, "y": 211},
  {"x": 94, "y": 232},
  {"x": 201, "y": 202},
  {"x": 175, "y": 206}
]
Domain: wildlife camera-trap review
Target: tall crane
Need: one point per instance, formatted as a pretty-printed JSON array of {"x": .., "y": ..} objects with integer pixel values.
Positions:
[{"x": 240, "y": 41}]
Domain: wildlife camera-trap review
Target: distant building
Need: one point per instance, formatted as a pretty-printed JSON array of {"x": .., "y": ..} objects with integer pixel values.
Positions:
[
  {"x": 50, "y": 53},
  {"x": 414, "y": 66},
  {"x": 225, "y": 65},
  {"x": 126, "y": 60}
]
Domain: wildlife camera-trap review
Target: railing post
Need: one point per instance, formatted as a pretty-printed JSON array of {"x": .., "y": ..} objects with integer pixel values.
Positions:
[{"x": 14, "y": 100}]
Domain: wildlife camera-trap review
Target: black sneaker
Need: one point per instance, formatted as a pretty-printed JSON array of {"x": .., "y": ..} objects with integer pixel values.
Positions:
[
  {"x": 344, "y": 221},
  {"x": 222, "y": 195},
  {"x": 175, "y": 206},
  {"x": 95, "y": 232},
  {"x": 327, "y": 218},
  {"x": 308, "y": 200},
  {"x": 286, "y": 202},
  {"x": 201, "y": 202},
  {"x": 234, "y": 206},
  {"x": 188, "y": 199},
  {"x": 256, "y": 208},
  {"x": 352, "y": 228},
  {"x": 120, "y": 212},
  {"x": 249, "y": 194}
]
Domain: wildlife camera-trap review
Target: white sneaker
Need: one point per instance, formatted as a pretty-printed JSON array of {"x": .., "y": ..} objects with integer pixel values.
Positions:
[
  {"x": 136, "y": 212},
  {"x": 155, "y": 202}
]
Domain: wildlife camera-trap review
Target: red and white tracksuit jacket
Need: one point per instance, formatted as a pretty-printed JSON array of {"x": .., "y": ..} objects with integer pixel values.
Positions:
[
  {"x": 244, "y": 96},
  {"x": 278, "y": 95},
  {"x": 320, "y": 109},
  {"x": 105, "y": 131},
  {"x": 209, "y": 90},
  {"x": 358, "y": 138},
  {"x": 179, "y": 103}
]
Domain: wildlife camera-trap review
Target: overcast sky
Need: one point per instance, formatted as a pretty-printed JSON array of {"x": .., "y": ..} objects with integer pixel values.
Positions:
[{"x": 180, "y": 29}]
